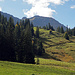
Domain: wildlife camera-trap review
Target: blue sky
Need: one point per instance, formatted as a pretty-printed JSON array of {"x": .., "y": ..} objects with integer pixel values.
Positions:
[{"x": 61, "y": 10}]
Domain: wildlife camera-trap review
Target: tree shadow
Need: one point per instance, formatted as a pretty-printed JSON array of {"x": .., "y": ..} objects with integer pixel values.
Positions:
[{"x": 48, "y": 56}]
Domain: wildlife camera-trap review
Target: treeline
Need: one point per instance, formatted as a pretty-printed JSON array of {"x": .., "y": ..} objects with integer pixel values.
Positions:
[
  {"x": 67, "y": 33},
  {"x": 71, "y": 32},
  {"x": 48, "y": 27},
  {"x": 18, "y": 42}
]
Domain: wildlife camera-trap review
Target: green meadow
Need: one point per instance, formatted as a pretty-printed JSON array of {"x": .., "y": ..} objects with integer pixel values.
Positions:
[
  {"x": 58, "y": 59},
  {"x": 45, "y": 67}
]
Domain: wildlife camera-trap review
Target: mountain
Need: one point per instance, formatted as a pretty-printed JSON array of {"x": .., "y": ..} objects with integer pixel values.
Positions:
[
  {"x": 24, "y": 18},
  {"x": 8, "y": 16},
  {"x": 37, "y": 20},
  {"x": 43, "y": 21}
]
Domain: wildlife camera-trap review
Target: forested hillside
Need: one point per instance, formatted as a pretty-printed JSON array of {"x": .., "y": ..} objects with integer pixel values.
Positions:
[
  {"x": 15, "y": 41},
  {"x": 57, "y": 46},
  {"x": 22, "y": 42}
]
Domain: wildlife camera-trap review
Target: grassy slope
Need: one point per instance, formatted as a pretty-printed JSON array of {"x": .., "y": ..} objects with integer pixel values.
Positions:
[
  {"x": 57, "y": 47},
  {"x": 46, "y": 67}
]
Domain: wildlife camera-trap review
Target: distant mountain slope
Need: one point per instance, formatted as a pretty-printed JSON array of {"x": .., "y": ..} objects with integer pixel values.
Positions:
[
  {"x": 8, "y": 16},
  {"x": 24, "y": 18},
  {"x": 37, "y": 20},
  {"x": 43, "y": 21}
]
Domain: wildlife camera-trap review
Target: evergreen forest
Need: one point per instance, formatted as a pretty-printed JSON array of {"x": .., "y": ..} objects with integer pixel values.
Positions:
[{"x": 18, "y": 42}]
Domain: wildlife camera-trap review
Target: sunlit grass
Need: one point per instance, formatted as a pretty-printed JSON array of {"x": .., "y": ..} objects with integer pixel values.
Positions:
[
  {"x": 55, "y": 42},
  {"x": 46, "y": 67}
]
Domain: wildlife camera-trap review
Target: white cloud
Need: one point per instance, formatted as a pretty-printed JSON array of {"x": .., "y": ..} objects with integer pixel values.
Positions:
[
  {"x": 0, "y": 9},
  {"x": 13, "y": 0},
  {"x": 58, "y": 2},
  {"x": 72, "y": 7},
  {"x": 47, "y": 12},
  {"x": 40, "y": 7},
  {"x": 1, "y": 0}
]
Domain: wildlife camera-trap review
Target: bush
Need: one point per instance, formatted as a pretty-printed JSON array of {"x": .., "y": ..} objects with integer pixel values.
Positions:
[
  {"x": 66, "y": 36},
  {"x": 50, "y": 32}
]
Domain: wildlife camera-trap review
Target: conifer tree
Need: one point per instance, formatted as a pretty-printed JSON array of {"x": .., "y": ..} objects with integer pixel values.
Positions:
[
  {"x": 37, "y": 32},
  {"x": 58, "y": 29},
  {"x": 40, "y": 49},
  {"x": 49, "y": 26},
  {"x": 17, "y": 40},
  {"x": 67, "y": 28},
  {"x": 46, "y": 27},
  {"x": 50, "y": 32},
  {"x": 5, "y": 20},
  {"x": 9, "y": 37},
  {"x": 73, "y": 31},
  {"x": 69, "y": 31},
  {"x": 2, "y": 19},
  {"x": 66, "y": 36},
  {"x": 27, "y": 45},
  {"x": 11, "y": 21},
  {"x": 32, "y": 30},
  {"x": 2, "y": 29},
  {"x": 62, "y": 30},
  {"x": 0, "y": 16},
  {"x": 25, "y": 49}
]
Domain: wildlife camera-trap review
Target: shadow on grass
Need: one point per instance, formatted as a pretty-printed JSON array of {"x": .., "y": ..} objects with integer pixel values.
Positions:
[{"x": 47, "y": 56}]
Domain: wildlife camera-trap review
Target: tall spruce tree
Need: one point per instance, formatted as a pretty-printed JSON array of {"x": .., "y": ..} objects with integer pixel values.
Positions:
[
  {"x": 9, "y": 38},
  {"x": 2, "y": 29},
  {"x": 5, "y": 20},
  {"x": 17, "y": 33},
  {"x": 28, "y": 40},
  {"x": 40, "y": 50},
  {"x": 46, "y": 27},
  {"x": 0, "y": 16},
  {"x": 32, "y": 30},
  {"x": 37, "y": 32},
  {"x": 58, "y": 29},
  {"x": 26, "y": 52},
  {"x": 73, "y": 31},
  {"x": 66, "y": 36},
  {"x": 6, "y": 48},
  {"x": 62, "y": 30},
  {"x": 2, "y": 19},
  {"x": 49, "y": 26},
  {"x": 69, "y": 31}
]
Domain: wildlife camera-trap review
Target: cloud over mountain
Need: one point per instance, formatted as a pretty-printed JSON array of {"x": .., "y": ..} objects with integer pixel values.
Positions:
[{"x": 41, "y": 7}]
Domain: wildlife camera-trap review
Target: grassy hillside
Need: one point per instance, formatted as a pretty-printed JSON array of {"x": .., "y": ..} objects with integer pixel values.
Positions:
[
  {"x": 46, "y": 67},
  {"x": 57, "y": 47}
]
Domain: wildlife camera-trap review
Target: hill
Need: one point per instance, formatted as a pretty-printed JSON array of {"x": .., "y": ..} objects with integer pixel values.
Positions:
[
  {"x": 43, "y": 21},
  {"x": 57, "y": 47},
  {"x": 8, "y": 16}
]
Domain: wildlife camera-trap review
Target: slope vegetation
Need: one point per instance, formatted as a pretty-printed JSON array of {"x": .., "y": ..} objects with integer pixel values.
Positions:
[
  {"x": 57, "y": 47},
  {"x": 51, "y": 67}
]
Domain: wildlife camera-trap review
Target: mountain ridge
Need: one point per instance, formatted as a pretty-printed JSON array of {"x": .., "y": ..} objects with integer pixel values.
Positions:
[
  {"x": 37, "y": 20},
  {"x": 8, "y": 16},
  {"x": 43, "y": 21}
]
